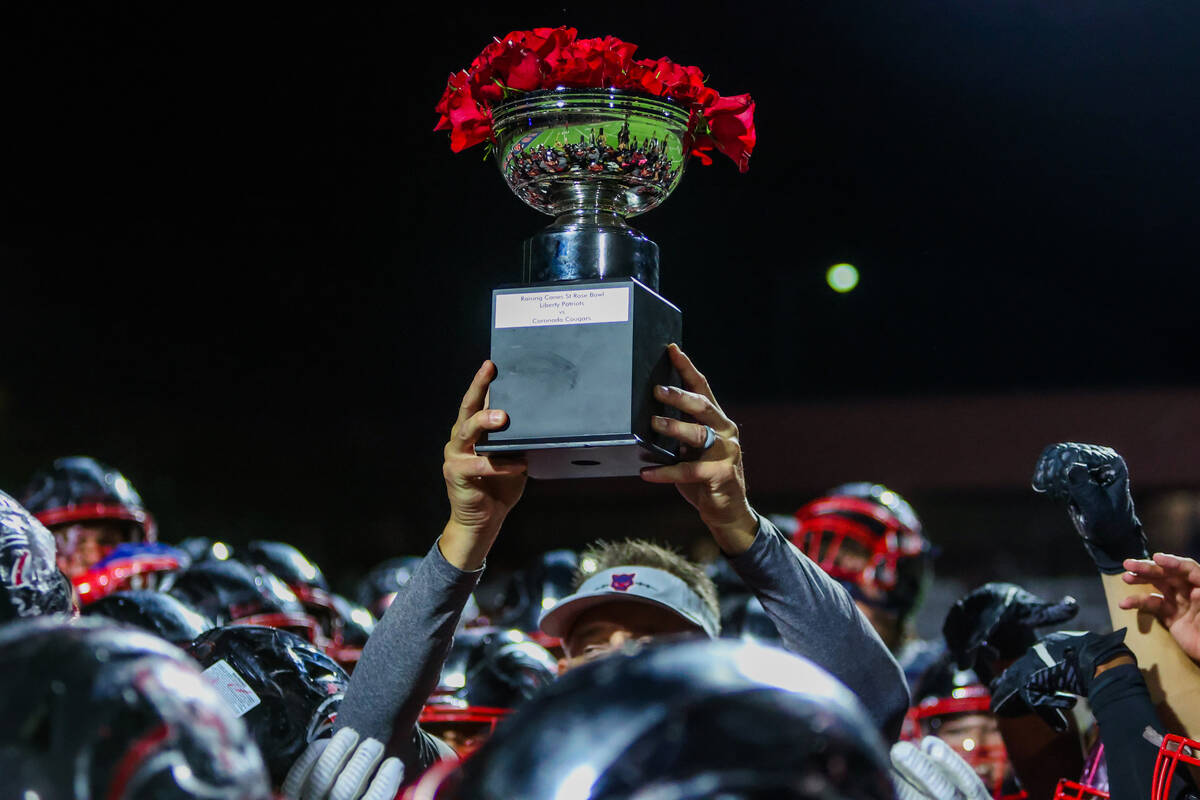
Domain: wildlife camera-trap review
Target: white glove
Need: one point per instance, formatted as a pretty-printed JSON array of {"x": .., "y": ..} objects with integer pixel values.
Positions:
[
  {"x": 341, "y": 768},
  {"x": 934, "y": 772}
]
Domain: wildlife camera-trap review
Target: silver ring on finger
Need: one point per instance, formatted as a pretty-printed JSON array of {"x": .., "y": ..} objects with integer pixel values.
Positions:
[{"x": 710, "y": 437}]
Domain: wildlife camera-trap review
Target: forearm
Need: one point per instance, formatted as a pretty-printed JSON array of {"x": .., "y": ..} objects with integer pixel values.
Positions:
[
  {"x": 1121, "y": 704},
  {"x": 1172, "y": 678},
  {"x": 817, "y": 619},
  {"x": 402, "y": 660}
]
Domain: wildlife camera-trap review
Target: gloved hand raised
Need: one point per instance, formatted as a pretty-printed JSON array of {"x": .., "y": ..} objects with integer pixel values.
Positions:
[
  {"x": 1095, "y": 482},
  {"x": 934, "y": 771},
  {"x": 996, "y": 622},
  {"x": 342, "y": 768},
  {"x": 1054, "y": 672}
]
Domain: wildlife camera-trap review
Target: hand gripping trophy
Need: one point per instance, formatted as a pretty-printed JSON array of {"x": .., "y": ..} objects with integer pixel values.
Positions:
[{"x": 587, "y": 134}]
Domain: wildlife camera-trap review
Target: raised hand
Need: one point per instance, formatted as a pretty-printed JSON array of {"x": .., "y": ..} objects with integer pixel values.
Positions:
[
  {"x": 714, "y": 483},
  {"x": 1056, "y": 670},
  {"x": 1095, "y": 482},
  {"x": 997, "y": 622},
  {"x": 481, "y": 489},
  {"x": 1177, "y": 602}
]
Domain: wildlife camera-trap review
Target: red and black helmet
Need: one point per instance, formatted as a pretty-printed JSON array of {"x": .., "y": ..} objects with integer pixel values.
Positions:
[
  {"x": 944, "y": 693},
  {"x": 536, "y": 588},
  {"x": 30, "y": 583},
  {"x": 868, "y": 537},
  {"x": 1173, "y": 751},
  {"x": 102, "y": 711},
  {"x": 1073, "y": 790},
  {"x": 288, "y": 691},
  {"x": 233, "y": 593},
  {"x": 165, "y": 616},
  {"x": 344, "y": 625},
  {"x": 81, "y": 489},
  {"x": 488, "y": 673},
  {"x": 129, "y": 566}
]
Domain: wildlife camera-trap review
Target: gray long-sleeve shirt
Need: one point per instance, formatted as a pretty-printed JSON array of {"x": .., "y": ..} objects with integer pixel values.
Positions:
[{"x": 816, "y": 618}]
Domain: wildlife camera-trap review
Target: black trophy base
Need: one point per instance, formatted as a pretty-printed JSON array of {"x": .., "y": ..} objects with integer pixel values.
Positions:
[{"x": 577, "y": 362}]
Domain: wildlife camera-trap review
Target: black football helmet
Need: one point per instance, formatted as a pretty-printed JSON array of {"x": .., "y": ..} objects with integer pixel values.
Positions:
[
  {"x": 129, "y": 566},
  {"x": 306, "y": 580},
  {"x": 288, "y": 690},
  {"x": 30, "y": 583},
  {"x": 683, "y": 721},
  {"x": 869, "y": 538},
  {"x": 488, "y": 673},
  {"x": 377, "y": 590},
  {"x": 230, "y": 592},
  {"x": 535, "y": 589},
  {"x": 100, "y": 712},
  {"x": 161, "y": 614},
  {"x": 80, "y": 489},
  {"x": 202, "y": 548},
  {"x": 943, "y": 697},
  {"x": 352, "y": 627}
]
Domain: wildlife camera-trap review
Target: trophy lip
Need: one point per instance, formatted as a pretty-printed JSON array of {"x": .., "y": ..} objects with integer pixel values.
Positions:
[{"x": 529, "y": 95}]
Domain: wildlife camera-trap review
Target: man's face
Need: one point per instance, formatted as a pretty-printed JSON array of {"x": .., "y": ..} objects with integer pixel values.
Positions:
[
  {"x": 82, "y": 544},
  {"x": 603, "y": 628},
  {"x": 977, "y": 737}
]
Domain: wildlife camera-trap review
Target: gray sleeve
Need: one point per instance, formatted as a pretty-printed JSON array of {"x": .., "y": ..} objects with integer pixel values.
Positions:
[
  {"x": 817, "y": 619},
  {"x": 402, "y": 661}
]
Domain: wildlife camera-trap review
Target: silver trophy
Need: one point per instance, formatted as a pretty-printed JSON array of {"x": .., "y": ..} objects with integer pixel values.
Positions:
[{"x": 581, "y": 342}]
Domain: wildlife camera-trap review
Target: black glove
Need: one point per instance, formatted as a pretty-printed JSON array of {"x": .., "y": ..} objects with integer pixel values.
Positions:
[
  {"x": 1095, "y": 482},
  {"x": 996, "y": 622},
  {"x": 1055, "y": 671}
]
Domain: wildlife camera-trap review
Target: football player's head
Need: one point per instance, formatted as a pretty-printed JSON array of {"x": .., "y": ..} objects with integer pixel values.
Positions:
[
  {"x": 685, "y": 721},
  {"x": 159, "y": 613},
  {"x": 378, "y": 589},
  {"x": 344, "y": 625},
  {"x": 536, "y": 588},
  {"x": 91, "y": 508},
  {"x": 107, "y": 712},
  {"x": 288, "y": 690},
  {"x": 488, "y": 673},
  {"x": 868, "y": 537},
  {"x": 232, "y": 593},
  {"x": 631, "y": 590},
  {"x": 953, "y": 705},
  {"x": 30, "y": 582}
]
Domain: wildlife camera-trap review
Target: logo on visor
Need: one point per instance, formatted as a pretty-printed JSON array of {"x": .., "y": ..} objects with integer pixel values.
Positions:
[{"x": 622, "y": 583}]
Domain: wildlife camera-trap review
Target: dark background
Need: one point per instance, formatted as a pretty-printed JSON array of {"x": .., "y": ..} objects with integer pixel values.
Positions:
[{"x": 238, "y": 264}]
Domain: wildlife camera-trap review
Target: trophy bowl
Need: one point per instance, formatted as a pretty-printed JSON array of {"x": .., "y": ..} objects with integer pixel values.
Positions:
[
  {"x": 563, "y": 150},
  {"x": 591, "y": 158}
]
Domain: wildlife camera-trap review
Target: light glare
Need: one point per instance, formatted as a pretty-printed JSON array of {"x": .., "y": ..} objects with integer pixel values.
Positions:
[{"x": 842, "y": 277}]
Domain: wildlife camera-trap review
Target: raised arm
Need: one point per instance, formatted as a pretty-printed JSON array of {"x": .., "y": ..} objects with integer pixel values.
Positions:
[{"x": 815, "y": 616}]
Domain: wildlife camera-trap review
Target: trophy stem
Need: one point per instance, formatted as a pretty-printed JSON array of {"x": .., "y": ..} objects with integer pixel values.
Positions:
[{"x": 590, "y": 243}]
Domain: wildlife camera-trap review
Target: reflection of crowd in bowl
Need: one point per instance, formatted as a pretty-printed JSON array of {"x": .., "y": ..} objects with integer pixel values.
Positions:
[{"x": 645, "y": 161}]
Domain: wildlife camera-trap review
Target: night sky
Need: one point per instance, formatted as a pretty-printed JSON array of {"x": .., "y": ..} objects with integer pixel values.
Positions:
[{"x": 238, "y": 263}]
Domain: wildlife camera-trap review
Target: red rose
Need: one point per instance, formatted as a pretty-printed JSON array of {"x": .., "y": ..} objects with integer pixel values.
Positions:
[
  {"x": 731, "y": 126},
  {"x": 468, "y": 122}
]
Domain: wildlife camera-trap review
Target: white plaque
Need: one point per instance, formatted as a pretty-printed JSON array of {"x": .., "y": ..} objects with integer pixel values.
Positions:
[{"x": 562, "y": 307}]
